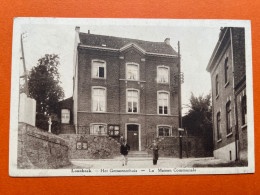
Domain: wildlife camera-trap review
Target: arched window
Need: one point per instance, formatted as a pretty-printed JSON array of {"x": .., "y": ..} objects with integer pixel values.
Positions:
[
  {"x": 244, "y": 110},
  {"x": 163, "y": 102},
  {"x": 228, "y": 117},
  {"x": 132, "y": 100},
  {"x": 132, "y": 71},
  {"x": 163, "y": 74},
  {"x": 98, "y": 69},
  {"x": 98, "y": 99},
  {"x": 217, "y": 85}
]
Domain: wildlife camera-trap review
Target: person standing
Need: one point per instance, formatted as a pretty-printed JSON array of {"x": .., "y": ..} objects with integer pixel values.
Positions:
[
  {"x": 124, "y": 152},
  {"x": 155, "y": 148}
]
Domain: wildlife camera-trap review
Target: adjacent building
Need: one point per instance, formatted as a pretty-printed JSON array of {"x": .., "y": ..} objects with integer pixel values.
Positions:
[{"x": 227, "y": 68}]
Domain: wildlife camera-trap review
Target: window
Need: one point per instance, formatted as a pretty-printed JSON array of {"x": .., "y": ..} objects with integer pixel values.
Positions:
[
  {"x": 132, "y": 71},
  {"x": 132, "y": 100},
  {"x": 163, "y": 102},
  {"x": 98, "y": 129},
  {"x": 244, "y": 110},
  {"x": 98, "y": 99},
  {"x": 217, "y": 85},
  {"x": 163, "y": 74},
  {"x": 228, "y": 117},
  {"x": 226, "y": 70},
  {"x": 164, "y": 131},
  {"x": 113, "y": 130},
  {"x": 218, "y": 126},
  {"x": 65, "y": 116},
  {"x": 98, "y": 69}
]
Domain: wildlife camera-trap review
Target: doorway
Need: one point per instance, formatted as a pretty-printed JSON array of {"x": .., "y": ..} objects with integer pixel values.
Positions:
[{"x": 133, "y": 137}]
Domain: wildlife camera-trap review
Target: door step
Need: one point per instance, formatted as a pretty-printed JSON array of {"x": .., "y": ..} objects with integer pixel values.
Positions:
[{"x": 138, "y": 154}]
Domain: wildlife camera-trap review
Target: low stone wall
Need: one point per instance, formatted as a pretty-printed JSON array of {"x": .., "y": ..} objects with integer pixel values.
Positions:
[
  {"x": 39, "y": 149},
  {"x": 91, "y": 147},
  {"x": 192, "y": 146}
]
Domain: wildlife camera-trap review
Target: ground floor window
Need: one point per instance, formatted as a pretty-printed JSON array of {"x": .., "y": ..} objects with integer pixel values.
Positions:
[
  {"x": 164, "y": 131},
  {"x": 98, "y": 129},
  {"x": 113, "y": 130},
  {"x": 65, "y": 116}
]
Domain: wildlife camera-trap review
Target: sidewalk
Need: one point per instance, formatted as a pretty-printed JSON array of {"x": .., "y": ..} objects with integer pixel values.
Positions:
[{"x": 141, "y": 162}]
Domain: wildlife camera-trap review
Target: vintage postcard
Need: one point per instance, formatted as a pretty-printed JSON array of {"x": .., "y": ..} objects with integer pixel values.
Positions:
[{"x": 112, "y": 97}]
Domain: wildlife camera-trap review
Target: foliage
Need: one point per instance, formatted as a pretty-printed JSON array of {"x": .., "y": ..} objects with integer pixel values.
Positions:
[
  {"x": 198, "y": 121},
  {"x": 199, "y": 117},
  {"x": 44, "y": 87}
]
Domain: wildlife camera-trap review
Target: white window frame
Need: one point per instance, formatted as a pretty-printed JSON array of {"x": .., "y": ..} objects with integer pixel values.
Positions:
[
  {"x": 162, "y": 66},
  {"x": 103, "y": 124},
  {"x": 169, "y": 102},
  {"x": 138, "y": 101},
  {"x": 92, "y": 69},
  {"x": 138, "y": 71},
  {"x": 170, "y": 130},
  {"x": 62, "y": 122},
  {"x": 92, "y": 93}
]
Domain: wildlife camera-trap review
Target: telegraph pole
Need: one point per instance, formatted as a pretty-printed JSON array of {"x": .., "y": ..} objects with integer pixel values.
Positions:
[
  {"x": 24, "y": 68},
  {"x": 179, "y": 97}
]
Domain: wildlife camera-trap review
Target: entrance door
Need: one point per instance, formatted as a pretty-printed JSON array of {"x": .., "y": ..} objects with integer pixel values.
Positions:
[{"x": 133, "y": 137}]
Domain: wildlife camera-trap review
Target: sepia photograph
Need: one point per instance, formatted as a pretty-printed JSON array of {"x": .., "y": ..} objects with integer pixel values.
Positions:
[{"x": 112, "y": 97}]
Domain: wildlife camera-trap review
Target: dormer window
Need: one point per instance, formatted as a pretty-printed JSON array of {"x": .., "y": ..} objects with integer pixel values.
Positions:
[
  {"x": 132, "y": 71},
  {"x": 98, "y": 69}
]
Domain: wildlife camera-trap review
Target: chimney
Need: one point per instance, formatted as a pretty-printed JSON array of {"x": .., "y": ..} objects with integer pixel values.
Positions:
[
  {"x": 88, "y": 31},
  {"x": 167, "y": 41},
  {"x": 77, "y": 28}
]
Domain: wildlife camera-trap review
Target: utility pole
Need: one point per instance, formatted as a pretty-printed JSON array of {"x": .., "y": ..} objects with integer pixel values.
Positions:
[
  {"x": 179, "y": 98},
  {"x": 24, "y": 68}
]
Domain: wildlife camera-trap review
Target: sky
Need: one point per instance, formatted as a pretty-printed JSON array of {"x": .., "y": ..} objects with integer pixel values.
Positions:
[{"x": 196, "y": 44}]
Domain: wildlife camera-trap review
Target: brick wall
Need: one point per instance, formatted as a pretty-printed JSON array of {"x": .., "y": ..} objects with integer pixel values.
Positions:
[
  {"x": 192, "y": 146},
  {"x": 38, "y": 149},
  {"x": 242, "y": 129},
  {"x": 225, "y": 94},
  {"x": 98, "y": 147}
]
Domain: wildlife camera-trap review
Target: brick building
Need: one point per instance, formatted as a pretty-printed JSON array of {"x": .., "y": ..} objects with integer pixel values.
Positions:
[
  {"x": 125, "y": 87},
  {"x": 228, "y": 78}
]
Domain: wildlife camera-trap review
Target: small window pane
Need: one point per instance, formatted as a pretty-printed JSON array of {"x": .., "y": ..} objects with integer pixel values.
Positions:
[{"x": 101, "y": 72}]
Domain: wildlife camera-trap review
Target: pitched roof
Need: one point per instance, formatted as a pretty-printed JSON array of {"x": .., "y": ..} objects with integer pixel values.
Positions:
[{"x": 118, "y": 42}]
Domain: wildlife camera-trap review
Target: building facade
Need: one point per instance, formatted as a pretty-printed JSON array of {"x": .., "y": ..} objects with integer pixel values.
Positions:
[
  {"x": 228, "y": 78},
  {"x": 126, "y": 87}
]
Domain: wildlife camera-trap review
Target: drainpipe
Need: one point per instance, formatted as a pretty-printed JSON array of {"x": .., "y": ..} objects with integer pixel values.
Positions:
[{"x": 235, "y": 102}]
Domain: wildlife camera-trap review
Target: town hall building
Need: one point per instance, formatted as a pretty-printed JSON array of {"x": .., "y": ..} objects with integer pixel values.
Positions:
[{"x": 125, "y": 87}]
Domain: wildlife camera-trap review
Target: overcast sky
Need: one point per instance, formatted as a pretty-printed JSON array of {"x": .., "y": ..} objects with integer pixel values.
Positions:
[{"x": 197, "y": 44}]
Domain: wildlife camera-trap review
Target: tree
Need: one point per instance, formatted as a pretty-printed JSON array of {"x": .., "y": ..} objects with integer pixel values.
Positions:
[
  {"x": 198, "y": 121},
  {"x": 44, "y": 87}
]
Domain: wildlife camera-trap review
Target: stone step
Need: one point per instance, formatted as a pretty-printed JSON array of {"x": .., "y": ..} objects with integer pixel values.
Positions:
[{"x": 138, "y": 154}]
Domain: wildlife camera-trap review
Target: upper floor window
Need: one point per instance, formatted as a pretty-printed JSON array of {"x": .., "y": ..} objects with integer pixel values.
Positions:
[
  {"x": 226, "y": 69},
  {"x": 132, "y": 71},
  {"x": 132, "y": 98},
  {"x": 218, "y": 126},
  {"x": 98, "y": 99},
  {"x": 164, "y": 131},
  {"x": 244, "y": 110},
  {"x": 217, "y": 85},
  {"x": 98, "y": 69},
  {"x": 163, "y": 102},
  {"x": 228, "y": 117},
  {"x": 163, "y": 74},
  {"x": 98, "y": 129}
]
